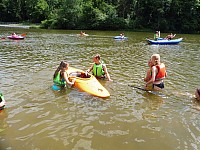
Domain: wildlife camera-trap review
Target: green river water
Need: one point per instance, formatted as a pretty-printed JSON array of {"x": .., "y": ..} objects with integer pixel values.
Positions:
[{"x": 38, "y": 118}]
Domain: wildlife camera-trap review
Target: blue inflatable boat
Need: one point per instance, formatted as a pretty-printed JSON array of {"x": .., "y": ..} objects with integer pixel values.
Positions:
[
  {"x": 162, "y": 41},
  {"x": 120, "y": 38}
]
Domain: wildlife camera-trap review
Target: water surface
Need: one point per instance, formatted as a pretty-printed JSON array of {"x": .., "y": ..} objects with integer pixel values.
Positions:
[{"x": 38, "y": 118}]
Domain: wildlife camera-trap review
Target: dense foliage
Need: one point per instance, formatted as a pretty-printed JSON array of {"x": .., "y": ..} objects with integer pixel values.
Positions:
[{"x": 165, "y": 15}]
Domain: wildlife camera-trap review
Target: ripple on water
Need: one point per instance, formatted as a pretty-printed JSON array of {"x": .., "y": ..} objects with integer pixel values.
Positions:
[{"x": 43, "y": 119}]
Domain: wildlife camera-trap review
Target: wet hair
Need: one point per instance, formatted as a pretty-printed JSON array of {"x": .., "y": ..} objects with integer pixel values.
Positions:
[
  {"x": 198, "y": 91},
  {"x": 62, "y": 65},
  {"x": 156, "y": 57},
  {"x": 97, "y": 56}
]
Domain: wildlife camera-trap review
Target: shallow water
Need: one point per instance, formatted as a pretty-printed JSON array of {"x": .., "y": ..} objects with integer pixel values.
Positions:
[{"x": 36, "y": 117}]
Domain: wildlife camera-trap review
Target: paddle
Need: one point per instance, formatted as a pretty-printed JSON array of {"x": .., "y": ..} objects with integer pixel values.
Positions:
[
  {"x": 138, "y": 88},
  {"x": 152, "y": 92},
  {"x": 23, "y": 34}
]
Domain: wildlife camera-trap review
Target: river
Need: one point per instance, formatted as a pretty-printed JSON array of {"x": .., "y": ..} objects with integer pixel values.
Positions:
[{"x": 38, "y": 118}]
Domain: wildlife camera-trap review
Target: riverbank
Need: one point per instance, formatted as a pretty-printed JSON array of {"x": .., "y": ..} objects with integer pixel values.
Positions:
[{"x": 18, "y": 25}]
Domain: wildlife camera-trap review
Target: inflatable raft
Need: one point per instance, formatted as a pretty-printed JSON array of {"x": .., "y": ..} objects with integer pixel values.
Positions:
[
  {"x": 162, "y": 41},
  {"x": 120, "y": 38},
  {"x": 16, "y": 37},
  {"x": 85, "y": 83}
]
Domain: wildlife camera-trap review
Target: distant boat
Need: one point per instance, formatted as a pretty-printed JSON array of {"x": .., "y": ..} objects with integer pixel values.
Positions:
[
  {"x": 16, "y": 37},
  {"x": 84, "y": 34},
  {"x": 120, "y": 37},
  {"x": 162, "y": 41}
]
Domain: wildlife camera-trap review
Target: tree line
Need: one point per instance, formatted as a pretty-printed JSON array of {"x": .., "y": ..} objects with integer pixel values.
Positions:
[{"x": 182, "y": 16}]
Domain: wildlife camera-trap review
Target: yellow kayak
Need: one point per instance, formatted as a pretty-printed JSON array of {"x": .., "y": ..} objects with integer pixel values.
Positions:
[{"x": 87, "y": 83}]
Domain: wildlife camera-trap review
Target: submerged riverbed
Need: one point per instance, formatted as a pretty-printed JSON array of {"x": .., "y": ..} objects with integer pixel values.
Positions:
[{"x": 36, "y": 117}]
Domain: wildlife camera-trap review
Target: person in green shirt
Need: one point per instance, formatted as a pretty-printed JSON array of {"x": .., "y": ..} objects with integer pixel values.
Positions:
[
  {"x": 98, "y": 68},
  {"x": 60, "y": 77}
]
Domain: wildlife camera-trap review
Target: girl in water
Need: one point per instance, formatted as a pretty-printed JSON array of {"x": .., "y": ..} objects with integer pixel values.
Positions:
[
  {"x": 60, "y": 77},
  {"x": 158, "y": 73}
]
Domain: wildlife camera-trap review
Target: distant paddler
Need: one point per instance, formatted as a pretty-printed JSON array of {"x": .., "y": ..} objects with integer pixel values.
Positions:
[{"x": 83, "y": 34}]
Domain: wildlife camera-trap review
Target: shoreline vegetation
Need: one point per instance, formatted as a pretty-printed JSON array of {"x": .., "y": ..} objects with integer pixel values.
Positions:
[
  {"x": 180, "y": 16},
  {"x": 20, "y": 25},
  {"x": 28, "y": 25},
  {"x": 39, "y": 26}
]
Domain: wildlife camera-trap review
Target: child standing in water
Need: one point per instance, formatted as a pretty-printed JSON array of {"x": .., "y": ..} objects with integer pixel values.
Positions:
[
  {"x": 60, "y": 77},
  {"x": 158, "y": 73},
  {"x": 98, "y": 69}
]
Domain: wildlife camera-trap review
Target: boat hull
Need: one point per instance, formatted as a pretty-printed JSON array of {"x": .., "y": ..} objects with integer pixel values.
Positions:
[
  {"x": 15, "y": 37},
  {"x": 87, "y": 84},
  {"x": 120, "y": 38},
  {"x": 165, "y": 42}
]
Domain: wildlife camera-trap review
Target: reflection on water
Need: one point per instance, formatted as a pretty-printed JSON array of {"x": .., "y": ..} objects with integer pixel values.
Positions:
[{"x": 39, "y": 118}]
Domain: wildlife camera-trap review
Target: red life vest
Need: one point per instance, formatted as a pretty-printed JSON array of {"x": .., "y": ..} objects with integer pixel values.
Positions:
[{"x": 161, "y": 72}]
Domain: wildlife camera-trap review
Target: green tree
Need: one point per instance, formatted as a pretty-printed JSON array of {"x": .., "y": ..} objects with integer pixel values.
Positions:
[{"x": 40, "y": 11}]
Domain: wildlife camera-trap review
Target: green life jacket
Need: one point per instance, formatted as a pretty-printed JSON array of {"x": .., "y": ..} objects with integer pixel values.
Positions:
[
  {"x": 58, "y": 81},
  {"x": 1, "y": 97},
  {"x": 2, "y": 101},
  {"x": 155, "y": 37},
  {"x": 98, "y": 70}
]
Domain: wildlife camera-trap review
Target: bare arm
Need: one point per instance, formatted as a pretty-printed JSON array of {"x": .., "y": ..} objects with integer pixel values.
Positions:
[
  {"x": 91, "y": 67},
  {"x": 154, "y": 71},
  {"x": 106, "y": 72},
  {"x": 148, "y": 75},
  {"x": 65, "y": 76}
]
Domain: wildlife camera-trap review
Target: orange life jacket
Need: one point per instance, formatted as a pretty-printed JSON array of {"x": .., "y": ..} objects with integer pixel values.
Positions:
[{"x": 161, "y": 72}]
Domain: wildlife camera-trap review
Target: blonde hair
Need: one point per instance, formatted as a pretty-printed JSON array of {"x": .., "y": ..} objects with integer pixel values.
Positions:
[{"x": 155, "y": 58}]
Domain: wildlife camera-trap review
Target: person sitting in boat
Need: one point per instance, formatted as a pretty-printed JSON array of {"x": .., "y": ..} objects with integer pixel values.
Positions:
[
  {"x": 60, "y": 77},
  {"x": 122, "y": 35},
  {"x": 158, "y": 73},
  {"x": 156, "y": 35},
  {"x": 170, "y": 36},
  {"x": 83, "y": 33},
  {"x": 14, "y": 34},
  {"x": 98, "y": 69},
  {"x": 2, "y": 101}
]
